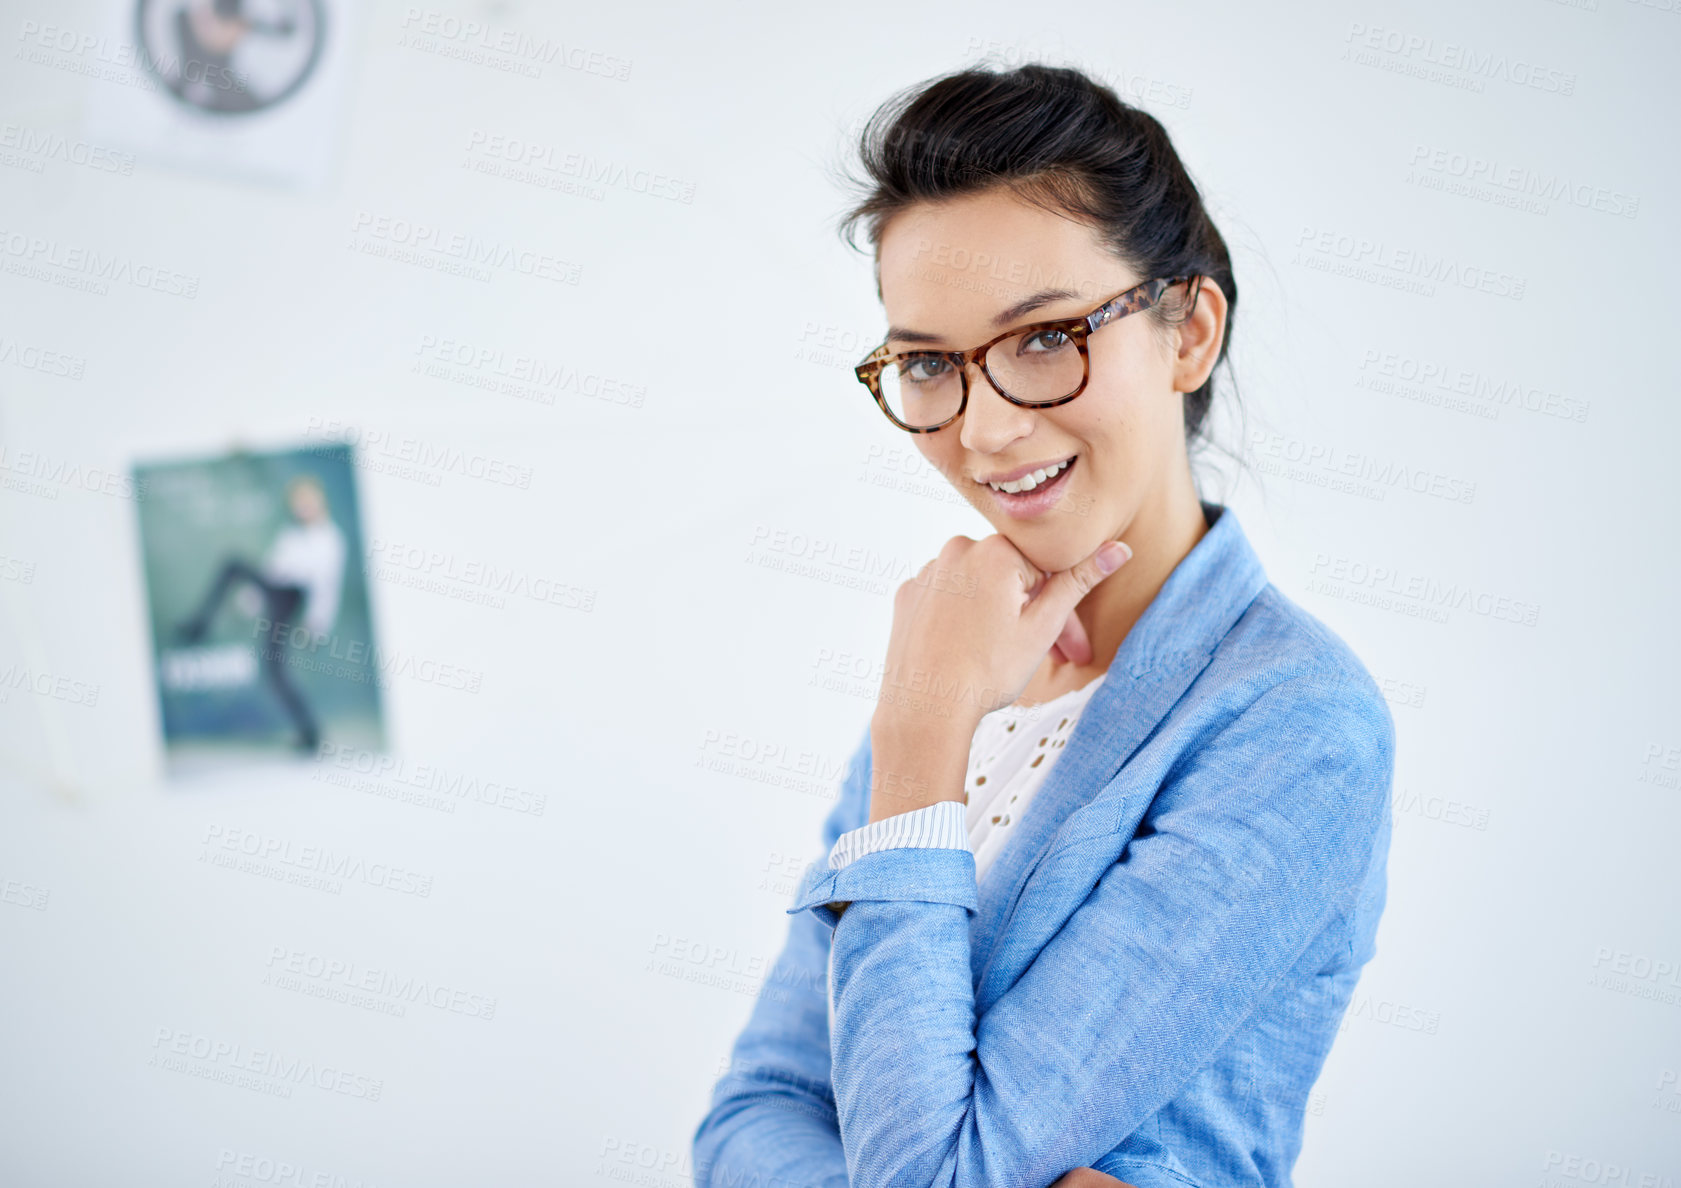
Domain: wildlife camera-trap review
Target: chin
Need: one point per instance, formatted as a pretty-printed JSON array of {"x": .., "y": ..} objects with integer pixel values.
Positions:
[{"x": 1051, "y": 556}]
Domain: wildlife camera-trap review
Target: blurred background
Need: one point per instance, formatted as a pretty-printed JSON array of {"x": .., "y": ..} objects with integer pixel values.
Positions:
[{"x": 545, "y": 303}]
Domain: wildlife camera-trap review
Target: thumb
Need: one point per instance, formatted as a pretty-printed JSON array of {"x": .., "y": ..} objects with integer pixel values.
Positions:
[{"x": 1061, "y": 592}]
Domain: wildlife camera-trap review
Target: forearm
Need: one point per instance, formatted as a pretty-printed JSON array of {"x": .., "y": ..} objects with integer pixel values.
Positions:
[
  {"x": 916, "y": 946},
  {"x": 916, "y": 761},
  {"x": 903, "y": 1072},
  {"x": 766, "y": 1138}
]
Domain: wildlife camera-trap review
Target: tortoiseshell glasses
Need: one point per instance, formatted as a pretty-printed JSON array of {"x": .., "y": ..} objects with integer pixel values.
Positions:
[{"x": 1037, "y": 366}]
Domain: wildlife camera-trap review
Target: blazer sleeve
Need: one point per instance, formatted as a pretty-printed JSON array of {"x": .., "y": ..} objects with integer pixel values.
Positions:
[
  {"x": 772, "y": 1118},
  {"x": 1255, "y": 841}
]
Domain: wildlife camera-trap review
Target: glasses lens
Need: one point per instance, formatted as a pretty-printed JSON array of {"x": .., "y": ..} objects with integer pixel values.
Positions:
[
  {"x": 922, "y": 390},
  {"x": 1037, "y": 365}
]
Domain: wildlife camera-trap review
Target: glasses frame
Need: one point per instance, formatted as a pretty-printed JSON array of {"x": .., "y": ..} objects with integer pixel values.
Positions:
[{"x": 1139, "y": 297}]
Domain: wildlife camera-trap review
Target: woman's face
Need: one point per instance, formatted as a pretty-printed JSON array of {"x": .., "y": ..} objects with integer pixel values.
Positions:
[{"x": 962, "y": 271}]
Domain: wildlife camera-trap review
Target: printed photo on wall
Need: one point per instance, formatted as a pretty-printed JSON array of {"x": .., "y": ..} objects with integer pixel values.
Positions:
[
  {"x": 251, "y": 89},
  {"x": 262, "y": 633}
]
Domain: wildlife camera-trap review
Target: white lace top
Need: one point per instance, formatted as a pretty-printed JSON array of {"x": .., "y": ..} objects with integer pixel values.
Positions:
[{"x": 1013, "y": 749}]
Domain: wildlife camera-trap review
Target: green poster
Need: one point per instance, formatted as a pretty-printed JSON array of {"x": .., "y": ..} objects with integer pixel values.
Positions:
[{"x": 262, "y": 636}]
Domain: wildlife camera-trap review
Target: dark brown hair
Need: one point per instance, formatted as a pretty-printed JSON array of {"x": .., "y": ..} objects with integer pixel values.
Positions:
[{"x": 1058, "y": 139}]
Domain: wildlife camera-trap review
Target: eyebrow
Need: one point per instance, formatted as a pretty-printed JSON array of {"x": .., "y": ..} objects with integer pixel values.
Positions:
[{"x": 1020, "y": 308}]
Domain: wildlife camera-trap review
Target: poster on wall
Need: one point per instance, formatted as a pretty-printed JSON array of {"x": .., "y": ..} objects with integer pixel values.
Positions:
[
  {"x": 249, "y": 89},
  {"x": 262, "y": 633}
]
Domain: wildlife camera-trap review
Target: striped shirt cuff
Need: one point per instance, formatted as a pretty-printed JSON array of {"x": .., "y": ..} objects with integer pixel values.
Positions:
[{"x": 942, "y": 825}]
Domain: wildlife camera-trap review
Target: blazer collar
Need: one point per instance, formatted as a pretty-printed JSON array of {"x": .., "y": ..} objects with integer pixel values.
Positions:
[
  {"x": 1169, "y": 645},
  {"x": 1202, "y": 598}
]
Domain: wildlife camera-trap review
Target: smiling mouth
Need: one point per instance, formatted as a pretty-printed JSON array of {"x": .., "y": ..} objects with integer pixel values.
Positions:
[
  {"x": 1029, "y": 503},
  {"x": 1043, "y": 477}
]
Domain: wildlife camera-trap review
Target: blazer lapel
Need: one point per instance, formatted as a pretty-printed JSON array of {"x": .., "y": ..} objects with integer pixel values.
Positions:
[{"x": 1169, "y": 645}]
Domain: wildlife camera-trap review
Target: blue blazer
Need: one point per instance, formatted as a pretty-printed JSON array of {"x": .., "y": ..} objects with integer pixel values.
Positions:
[{"x": 1150, "y": 977}]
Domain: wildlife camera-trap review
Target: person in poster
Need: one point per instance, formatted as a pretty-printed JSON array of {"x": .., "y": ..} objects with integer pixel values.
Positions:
[
  {"x": 304, "y": 570},
  {"x": 261, "y": 625}
]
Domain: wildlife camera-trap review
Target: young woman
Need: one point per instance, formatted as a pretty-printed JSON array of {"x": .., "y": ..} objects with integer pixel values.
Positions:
[
  {"x": 304, "y": 570},
  {"x": 1106, "y": 865}
]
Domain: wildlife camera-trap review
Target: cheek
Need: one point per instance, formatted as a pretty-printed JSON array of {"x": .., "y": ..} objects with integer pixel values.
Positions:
[
  {"x": 1137, "y": 361},
  {"x": 1110, "y": 432},
  {"x": 1099, "y": 416},
  {"x": 1127, "y": 399}
]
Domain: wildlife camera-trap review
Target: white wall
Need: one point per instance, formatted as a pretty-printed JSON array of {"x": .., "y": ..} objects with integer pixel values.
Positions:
[{"x": 1521, "y": 1023}]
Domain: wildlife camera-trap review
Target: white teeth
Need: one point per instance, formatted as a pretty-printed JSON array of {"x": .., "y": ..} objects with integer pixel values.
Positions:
[{"x": 1028, "y": 481}]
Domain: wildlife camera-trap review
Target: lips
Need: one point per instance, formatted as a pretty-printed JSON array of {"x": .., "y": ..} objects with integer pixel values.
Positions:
[{"x": 1040, "y": 499}]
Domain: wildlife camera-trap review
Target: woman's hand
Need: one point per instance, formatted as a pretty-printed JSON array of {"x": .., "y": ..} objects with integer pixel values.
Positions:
[
  {"x": 975, "y": 623},
  {"x": 1089, "y": 1177},
  {"x": 969, "y": 632}
]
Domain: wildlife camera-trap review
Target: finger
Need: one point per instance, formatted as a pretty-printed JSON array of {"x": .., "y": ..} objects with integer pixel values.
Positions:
[
  {"x": 1073, "y": 642},
  {"x": 1032, "y": 577},
  {"x": 1062, "y": 591}
]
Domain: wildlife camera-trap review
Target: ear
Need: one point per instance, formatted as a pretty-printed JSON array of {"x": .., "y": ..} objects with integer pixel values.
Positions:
[{"x": 1200, "y": 336}]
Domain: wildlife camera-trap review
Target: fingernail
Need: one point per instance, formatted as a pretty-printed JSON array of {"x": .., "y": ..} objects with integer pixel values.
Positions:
[{"x": 1111, "y": 555}]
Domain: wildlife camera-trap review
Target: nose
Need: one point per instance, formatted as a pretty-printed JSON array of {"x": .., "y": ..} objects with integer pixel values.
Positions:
[{"x": 990, "y": 422}]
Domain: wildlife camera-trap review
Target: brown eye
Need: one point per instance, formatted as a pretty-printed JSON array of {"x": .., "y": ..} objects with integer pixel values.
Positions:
[
  {"x": 1043, "y": 341},
  {"x": 924, "y": 369}
]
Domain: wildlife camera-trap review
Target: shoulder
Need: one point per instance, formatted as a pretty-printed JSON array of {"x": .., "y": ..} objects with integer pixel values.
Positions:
[
  {"x": 1284, "y": 695},
  {"x": 1281, "y": 659},
  {"x": 1279, "y": 755}
]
